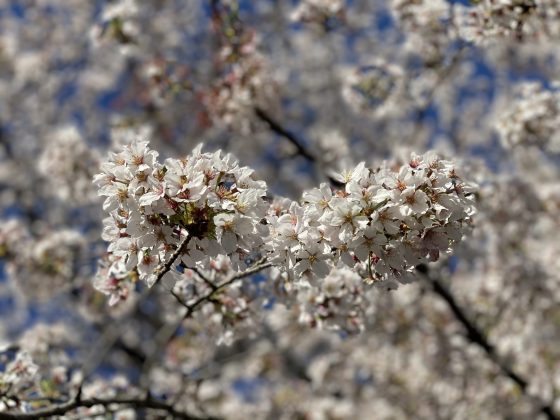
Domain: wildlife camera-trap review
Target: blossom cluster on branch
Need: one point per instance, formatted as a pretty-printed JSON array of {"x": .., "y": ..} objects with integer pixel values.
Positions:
[
  {"x": 227, "y": 300},
  {"x": 383, "y": 222},
  {"x": 532, "y": 119},
  {"x": 44, "y": 258},
  {"x": 205, "y": 204},
  {"x": 377, "y": 88},
  {"x": 519, "y": 20},
  {"x": 15, "y": 378},
  {"x": 323, "y": 12},
  {"x": 180, "y": 214}
]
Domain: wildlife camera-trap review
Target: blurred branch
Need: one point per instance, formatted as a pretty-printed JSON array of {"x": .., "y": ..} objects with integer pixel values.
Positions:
[
  {"x": 77, "y": 402},
  {"x": 281, "y": 131},
  {"x": 301, "y": 150},
  {"x": 292, "y": 364},
  {"x": 206, "y": 280},
  {"x": 477, "y": 336}
]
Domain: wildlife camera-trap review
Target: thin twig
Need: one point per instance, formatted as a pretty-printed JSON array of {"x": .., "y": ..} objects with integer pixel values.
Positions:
[
  {"x": 178, "y": 298},
  {"x": 204, "y": 278},
  {"x": 162, "y": 270},
  {"x": 261, "y": 265},
  {"x": 168, "y": 331}
]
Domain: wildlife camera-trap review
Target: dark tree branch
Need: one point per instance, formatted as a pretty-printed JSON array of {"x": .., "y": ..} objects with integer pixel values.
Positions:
[
  {"x": 127, "y": 402},
  {"x": 281, "y": 131},
  {"x": 301, "y": 150},
  {"x": 133, "y": 353},
  {"x": 162, "y": 270},
  {"x": 477, "y": 336}
]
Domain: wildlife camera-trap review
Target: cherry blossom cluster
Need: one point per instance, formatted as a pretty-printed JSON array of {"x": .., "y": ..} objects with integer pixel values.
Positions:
[
  {"x": 106, "y": 388},
  {"x": 200, "y": 219},
  {"x": 117, "y": 24},
  {"x": 518, "y": 20},
  {"x": 416, "y": 14},
  {"x": 323, "y": 12},
  {"x": 16, "y": 377},
  {"x": 426, "y": 24},
  {"x": 12, "y": 233},
  {"x": 42, "y": 369},
  {"x": 533, "y": 119},
  {"x": 36, "y": 260},
  {"x": 383, "y": 222},
  {"x": 114, "y": 279},
  {"x": 164, "y": 80},
  {"x": 338, "y": 302},
  {"x": 246, "y": 84},
  {"x": 204, "y": 204},
  {"x": 66, "y": 163},
  {"x": 374, "y": 89}
]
